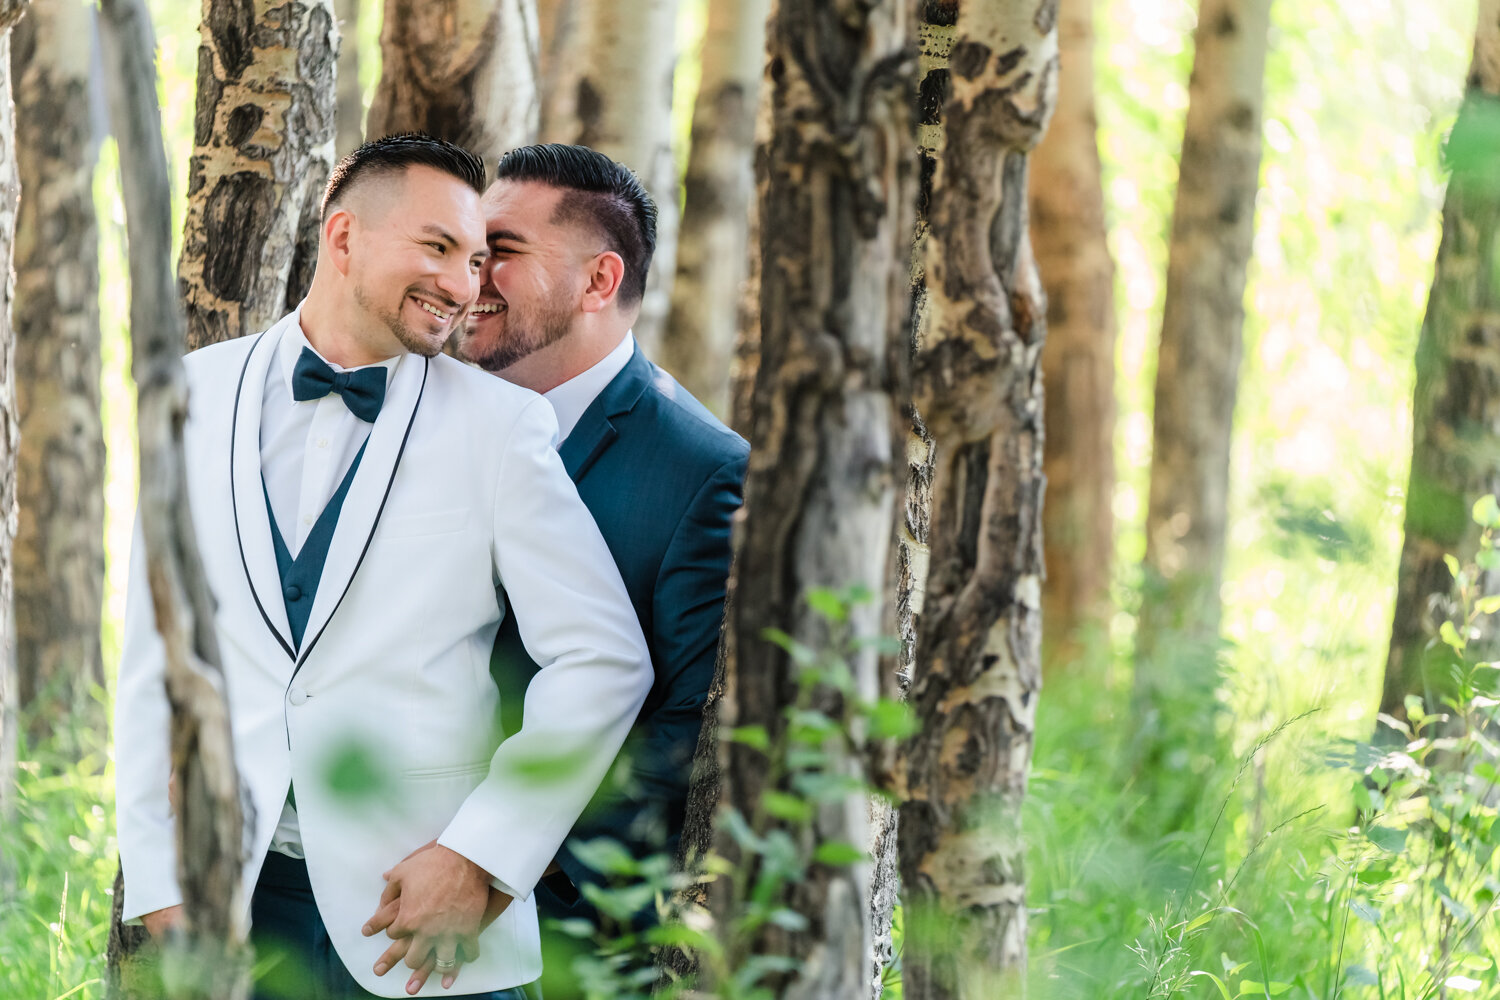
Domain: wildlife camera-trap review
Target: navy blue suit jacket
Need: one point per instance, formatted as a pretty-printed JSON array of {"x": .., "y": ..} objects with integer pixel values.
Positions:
[{"x": 662, "y": 478}]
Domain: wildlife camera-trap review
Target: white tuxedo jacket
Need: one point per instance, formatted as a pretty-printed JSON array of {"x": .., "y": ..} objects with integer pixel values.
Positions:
[{"x": 460, "y": 490}]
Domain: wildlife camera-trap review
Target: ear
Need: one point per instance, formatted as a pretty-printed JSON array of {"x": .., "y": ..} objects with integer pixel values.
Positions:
[
  {"x": 605, "y": 274},
  {"x": 338, "y": 237}
]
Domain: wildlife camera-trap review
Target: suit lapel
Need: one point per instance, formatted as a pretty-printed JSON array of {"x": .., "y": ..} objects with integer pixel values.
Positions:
[
  {"x": 595, "y": 430},
  {"x": 252, "y": 523},
  {"x": 367, "y": 495}
]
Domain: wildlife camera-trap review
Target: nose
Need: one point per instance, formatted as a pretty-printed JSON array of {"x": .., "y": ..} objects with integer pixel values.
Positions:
[{"x": 458, "y": 281}]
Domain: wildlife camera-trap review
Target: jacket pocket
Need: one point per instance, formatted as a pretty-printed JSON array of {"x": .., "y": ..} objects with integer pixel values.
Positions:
[{"x": 438, "y": 522}]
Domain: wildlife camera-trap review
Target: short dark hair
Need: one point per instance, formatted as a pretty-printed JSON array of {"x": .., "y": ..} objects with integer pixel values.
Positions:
[
  {"x": 395, "y": 153},
  {"x": 601, "y": 194}
]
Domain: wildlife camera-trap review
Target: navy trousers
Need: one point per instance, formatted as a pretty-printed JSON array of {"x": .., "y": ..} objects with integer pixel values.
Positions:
[{"x": 294, "y": 959}]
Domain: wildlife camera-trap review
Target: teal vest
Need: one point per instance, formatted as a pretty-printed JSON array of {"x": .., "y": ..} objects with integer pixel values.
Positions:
[{"x": 300, "y": 576}]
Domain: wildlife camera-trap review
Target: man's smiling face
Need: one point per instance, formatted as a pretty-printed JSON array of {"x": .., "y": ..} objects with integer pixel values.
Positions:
[
  {"x": 416, "y": 269},
  {"x": 536, "y": 273}
]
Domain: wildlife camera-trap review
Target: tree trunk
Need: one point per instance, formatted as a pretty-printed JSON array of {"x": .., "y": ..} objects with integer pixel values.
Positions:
[
  {"x": 1078, "y": 365},
  {"x": 10, "y": 12},
  {"x": 461, "y": 70},
  {"x": 627, "y": 57},
  {"x": 59, "y": 553},
  {"x": 262, "y": 148},
  {"x": 977, "y": 384},
  {"x": 213, "y": 961},
  {"x": 712, "y": 249},
  {"x": 560, "y": 37},
  {"x": 1455, "y": 458},
  {"x": 1198, "y": 365},
  {"x": 351, "y": 103},
  {"x": 836, "y": 180}
]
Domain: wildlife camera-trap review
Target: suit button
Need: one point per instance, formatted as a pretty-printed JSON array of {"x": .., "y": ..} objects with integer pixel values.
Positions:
[
  {"x": 297, "y": 696},
  {"x": 293, "y": 592}
]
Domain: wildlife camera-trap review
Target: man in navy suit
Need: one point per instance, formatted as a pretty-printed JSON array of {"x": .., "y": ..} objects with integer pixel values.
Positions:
[{"x": 571, "y": 233}]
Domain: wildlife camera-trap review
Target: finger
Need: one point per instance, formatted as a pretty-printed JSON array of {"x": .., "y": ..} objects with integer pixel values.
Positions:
[
  {"x": 468, "y": 948},
  {"x": 395, "y": 953},
  {"x": 419, "y": 978},
  {"x": 420, "y": 951},
  {"x": 445, "y": 959},
  {"x": 384, "y": 917}
]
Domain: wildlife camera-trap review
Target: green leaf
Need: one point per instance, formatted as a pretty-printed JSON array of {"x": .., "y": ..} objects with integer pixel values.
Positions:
[
  {"x": 828, "y": 604},
  {"x": 1488, "y": 605},
  {"x": 1251, "y": 988},
  {"x": 1449, "y": 634},
  {"x": 1488, "y": 559},
  {"x": 1373, "y": 876},
  {"x": 1487, "y": 512},
  {"x": 838, "y": 853},
  {"x": 787, "y": 807},
  {"x": 1223, "y": 990},
  {"x": 1452, "y": 565},
  {"x": 605, "y": 855},
  {"x": 754, "y": 737},
  {"x": 891, "y": 720},
  {"x": 1387, "y": 838}
]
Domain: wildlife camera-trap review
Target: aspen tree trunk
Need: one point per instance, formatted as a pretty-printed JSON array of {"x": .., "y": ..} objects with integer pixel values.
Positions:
[
  {"x": 10, "y": 12},
  {"x": 561, "y": 62},
  {"x": 1456, "y": 423},
  {"x": 977, "y": 384},
  {"x": 212, "y": 961},
  {"x": 835, "y": 181},
  {"x": 628, "y": 54},
  {"x": 59, "y": 552},
  {"x": 350, "y": 110},
  {"x": 262, "y": 148},
  {"x": 461, "y": 70},
  {"x": 712, "y": 248},
  {"x": 1198, "y": 366},
  {"x": 908, "y": 577},
  {"x": 1078, "y": 364}
]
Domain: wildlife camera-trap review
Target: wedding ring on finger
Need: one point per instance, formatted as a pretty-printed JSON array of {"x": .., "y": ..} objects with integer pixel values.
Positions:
[{"x": 442, "y": 966}]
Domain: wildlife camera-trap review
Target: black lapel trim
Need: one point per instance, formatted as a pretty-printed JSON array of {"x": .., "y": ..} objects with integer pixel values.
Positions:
[
  {"x": 234, "y": 428},
  {"x": 307, "y": 650}
]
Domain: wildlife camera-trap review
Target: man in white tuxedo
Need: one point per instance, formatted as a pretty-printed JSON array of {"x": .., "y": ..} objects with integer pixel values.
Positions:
[{"x": 362, "y": 503}]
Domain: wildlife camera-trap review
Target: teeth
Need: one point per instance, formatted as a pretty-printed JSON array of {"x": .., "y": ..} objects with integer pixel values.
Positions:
[
  {"x": 488, "y": 307},
  {"x": 432, "y": 309}
]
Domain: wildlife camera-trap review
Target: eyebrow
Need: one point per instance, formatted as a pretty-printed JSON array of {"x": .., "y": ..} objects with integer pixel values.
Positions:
[
  {"x": 508, "y": 235},
  {"x": 441, "y": 234}
]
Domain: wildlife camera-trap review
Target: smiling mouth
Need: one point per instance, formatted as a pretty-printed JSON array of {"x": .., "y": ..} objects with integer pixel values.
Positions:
[
  {"x": 488, "y": 308},
  {"x": 443, "y": 314}
]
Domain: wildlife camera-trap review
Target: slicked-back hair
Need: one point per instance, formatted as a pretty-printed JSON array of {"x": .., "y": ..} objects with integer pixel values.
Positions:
[
  {"x": 397, "y": 153},
  {"x": 598, "y": 194}
]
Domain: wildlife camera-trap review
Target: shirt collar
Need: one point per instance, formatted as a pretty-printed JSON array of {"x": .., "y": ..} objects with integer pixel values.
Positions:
[
  {"x": 295, "y": 338},
  {"x": 570, "y": 399}
]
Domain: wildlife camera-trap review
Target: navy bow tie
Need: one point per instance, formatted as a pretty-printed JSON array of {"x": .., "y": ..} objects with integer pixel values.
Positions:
[{"x": 363, "y": 389}]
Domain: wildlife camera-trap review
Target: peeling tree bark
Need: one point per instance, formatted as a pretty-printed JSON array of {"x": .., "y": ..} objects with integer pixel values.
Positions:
[
  {"x": 628, "y": 54},
  {"x": 1078, "y": 364},
  {"x": 1197, "y": 371},
  {"x": 262, "y": 148},
  {"x": 59, "y": 552},
  {"x": 1456, "y": 433},
  {"x": 461, "y": 70},
  {"x": 209, "y": 823},
  {"x": 10, "y": 12},
  {"x": 351, "y": 105},
  {"x": 836, "y": 180},
  {"x": 977, "y": 384},
  {"x": 713, "y": 250}
]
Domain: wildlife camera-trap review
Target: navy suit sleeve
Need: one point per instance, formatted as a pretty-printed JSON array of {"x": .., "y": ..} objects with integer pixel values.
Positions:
[{"x": 687, "y": 611}]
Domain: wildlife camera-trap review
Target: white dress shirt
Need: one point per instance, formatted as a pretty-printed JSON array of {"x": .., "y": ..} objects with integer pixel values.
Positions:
[
  {"x": 306, "y": 448},
  {"x": 570, "y": 399}
]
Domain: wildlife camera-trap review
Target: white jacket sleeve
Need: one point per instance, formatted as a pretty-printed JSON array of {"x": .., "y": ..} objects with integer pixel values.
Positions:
[
  {"x": 577, "y": 623},
  {"x": 143, "y": 815}
]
